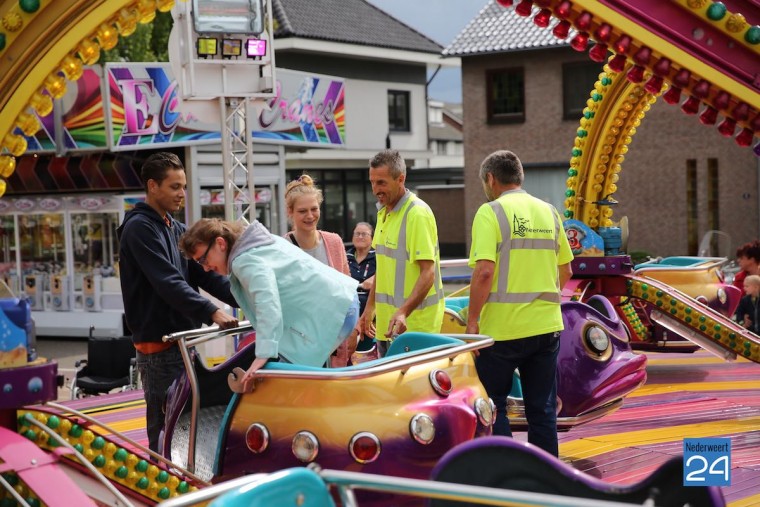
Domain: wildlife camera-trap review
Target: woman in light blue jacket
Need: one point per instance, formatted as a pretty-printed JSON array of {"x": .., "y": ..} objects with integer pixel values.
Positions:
[{"x": 300, "y": 308}]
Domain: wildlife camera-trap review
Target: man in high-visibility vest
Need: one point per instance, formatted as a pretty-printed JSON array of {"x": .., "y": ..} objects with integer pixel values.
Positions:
[
  {"x": 407, "y": 293},
  {"x": 522, "y": 260}
]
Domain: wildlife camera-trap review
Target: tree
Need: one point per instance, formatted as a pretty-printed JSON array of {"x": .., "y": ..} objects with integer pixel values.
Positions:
[{"x": 149, "y": 43}]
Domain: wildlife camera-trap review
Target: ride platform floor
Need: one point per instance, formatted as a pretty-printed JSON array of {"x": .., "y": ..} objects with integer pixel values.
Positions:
[{"x": 685, "y": 396}]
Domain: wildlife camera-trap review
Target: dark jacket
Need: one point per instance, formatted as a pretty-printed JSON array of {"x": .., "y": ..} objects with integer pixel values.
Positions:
[
  {"x": 158, "y": 284},
  {"x": 749, "y": 306}
]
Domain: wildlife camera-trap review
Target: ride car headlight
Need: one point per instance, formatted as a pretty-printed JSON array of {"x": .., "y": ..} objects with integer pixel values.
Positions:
[
  {"x": 305, "y": 446},
  {"x": 597, "y": 339},
  {"x": 257, "y": 438},
  {"x": 364, "y": 447},
  {"x": 422, "y": 428},
  {"x": 722, "y": 296},
  {"x": 485, "y": 411}
]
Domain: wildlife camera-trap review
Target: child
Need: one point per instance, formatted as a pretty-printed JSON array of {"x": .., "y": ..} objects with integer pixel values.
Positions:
[{"x": 748, "y": 312}]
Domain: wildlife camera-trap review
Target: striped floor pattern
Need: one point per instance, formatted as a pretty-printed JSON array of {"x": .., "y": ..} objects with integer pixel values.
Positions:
[{"x": 686, "y": 396}]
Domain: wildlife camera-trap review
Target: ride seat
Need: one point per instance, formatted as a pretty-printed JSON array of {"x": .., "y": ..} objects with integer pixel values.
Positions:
[
  {"x": 110, "y": 365},
  {"x": 294, "y": 486}
]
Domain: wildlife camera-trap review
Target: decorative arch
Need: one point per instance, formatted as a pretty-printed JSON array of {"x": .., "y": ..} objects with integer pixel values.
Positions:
[{"x": 44, "y": 44}]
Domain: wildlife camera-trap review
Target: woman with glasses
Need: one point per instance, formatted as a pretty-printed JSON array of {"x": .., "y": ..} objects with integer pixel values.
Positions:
[
  {"x": 361, "y": 262},
  {"x": 302, "y": 202},
  {"x": 282, "y": 290}
]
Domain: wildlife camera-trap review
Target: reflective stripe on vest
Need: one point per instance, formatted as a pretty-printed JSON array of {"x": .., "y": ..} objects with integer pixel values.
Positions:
[
  {"x": 401, "y": 256},
  {"x": 505, "y": 247}
]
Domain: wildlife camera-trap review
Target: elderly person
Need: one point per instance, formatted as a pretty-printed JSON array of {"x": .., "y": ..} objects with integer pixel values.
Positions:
[
  {"x": 361, "y": 263},
  {"x": 281, "y": 289}
]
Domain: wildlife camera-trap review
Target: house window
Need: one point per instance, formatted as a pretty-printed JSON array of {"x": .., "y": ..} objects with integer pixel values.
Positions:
[
  {"x": 578, "y": 80},
  {"x": 505, "y": 95},
  {"x": 398, "y": 111},
  {"x": 692, "y": 207}
]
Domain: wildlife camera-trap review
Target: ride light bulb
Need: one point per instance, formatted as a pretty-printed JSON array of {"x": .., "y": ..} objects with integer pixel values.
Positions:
[
  {"x": 524, "y": 8},
  {"x": 561, "y": 30},
  {"x": 690, "y": 105},
  {"x": 672, "y": 96},
  {"x": 542, "y": 18},
  {"x": 744, "y": 138},
  {"x": 364, "y": 447},
  {"x": 654, "y": 85},
  {"x": 727, "y": 127},
  {"x": 257, "y": 438},
  {"x": 636, "y": 74},
  {"x": 580, "y": 42},
  {"x": 441, "y": 382},
  {"x": 598, "y": 53}
]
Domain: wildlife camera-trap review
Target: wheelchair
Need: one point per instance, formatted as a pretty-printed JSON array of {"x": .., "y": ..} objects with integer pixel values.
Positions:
[{"x": 110, "y": 364}]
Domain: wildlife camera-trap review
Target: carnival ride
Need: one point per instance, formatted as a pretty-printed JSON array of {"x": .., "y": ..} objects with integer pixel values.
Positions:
[{"x": 706, "y": 51}]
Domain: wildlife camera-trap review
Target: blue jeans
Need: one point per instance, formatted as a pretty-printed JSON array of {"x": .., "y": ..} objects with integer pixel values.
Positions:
[
  {"x": 536, "y": 357},
  {"x": 157, "y": 372}
]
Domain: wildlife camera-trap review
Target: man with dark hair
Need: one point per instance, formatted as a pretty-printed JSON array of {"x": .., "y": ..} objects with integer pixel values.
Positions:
[
  {"x": 522, "y": 260},
  {"x": 160, "y": 286},
  {"x": 407, "y": 291}
]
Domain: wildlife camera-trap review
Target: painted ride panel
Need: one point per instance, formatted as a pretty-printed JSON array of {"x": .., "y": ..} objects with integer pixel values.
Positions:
[{"x": 424, "y": 376}]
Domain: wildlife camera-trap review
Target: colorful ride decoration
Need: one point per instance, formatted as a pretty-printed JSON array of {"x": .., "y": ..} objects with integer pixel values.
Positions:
[{"x": 59, "y": 39}]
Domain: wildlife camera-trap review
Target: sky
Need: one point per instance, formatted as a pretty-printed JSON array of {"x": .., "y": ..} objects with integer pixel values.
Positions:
[{"x": 441, "y": 20}]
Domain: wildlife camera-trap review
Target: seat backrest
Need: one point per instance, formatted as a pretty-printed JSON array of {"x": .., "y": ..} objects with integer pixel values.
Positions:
[
  {"x": 413, "y": 341},
  {"x": 294, "y": 486},
  {"x": 109, "y": 356}
]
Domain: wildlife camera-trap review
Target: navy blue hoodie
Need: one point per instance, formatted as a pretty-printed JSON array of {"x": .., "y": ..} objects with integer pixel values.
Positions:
[{"x": 158, "y": 284}]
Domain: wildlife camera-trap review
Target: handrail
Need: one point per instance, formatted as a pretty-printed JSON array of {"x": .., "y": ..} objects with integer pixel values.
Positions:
[
  {"x": 347, "y": 482},
  {"x": 84, "y": 461},
  {"x": 403, "y": 363},
  {"x": 12, "y": 491},
  {"x": 208, "y": 332},
  {"x": 709, "y": 263},
  {"x": 154, "y": 455}
]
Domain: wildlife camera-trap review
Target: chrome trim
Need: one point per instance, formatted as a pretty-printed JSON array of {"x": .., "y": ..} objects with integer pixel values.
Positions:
[
  {"x": 357, "y": 437},
  {"x": 479, "y": 411},
  {"x": 707, "y": 264},
  {"x": 265, "y": 432},
  {"x": 592, "y": 351},
  {"x": 437, "y": 386}
]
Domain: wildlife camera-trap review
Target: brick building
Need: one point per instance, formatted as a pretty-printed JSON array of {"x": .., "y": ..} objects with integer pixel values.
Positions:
[{"x": 524, "y": 90}]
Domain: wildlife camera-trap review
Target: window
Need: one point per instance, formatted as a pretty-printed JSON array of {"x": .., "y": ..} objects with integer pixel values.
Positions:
[
  {"x": 398, "y": 111},
  {"x": 506, "y": 95},
  {"x": 692, "y": 208},
  {"x": 578, "y": 80}
]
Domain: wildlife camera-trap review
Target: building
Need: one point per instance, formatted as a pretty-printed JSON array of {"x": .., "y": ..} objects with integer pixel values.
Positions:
[{"x": 524, "y": 90}]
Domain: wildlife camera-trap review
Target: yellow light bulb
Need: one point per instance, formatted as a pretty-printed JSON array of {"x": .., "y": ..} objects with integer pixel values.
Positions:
[
  {"x": 55, "y": 84},
  {"x": 2, "y": 188},
  {"x": 88, "y": 51},
  {"x": 28, "y": 123},
  {"x": 72, "y": 67},
  {"x": 42, "y": 103},
  {"x": 15, "y": 144},
  {"x": 107, "y": 36},
  {"x": 146, "y": 10},
  {"x": 165, "y": 5},
  {"x": 126, "y": 22}
]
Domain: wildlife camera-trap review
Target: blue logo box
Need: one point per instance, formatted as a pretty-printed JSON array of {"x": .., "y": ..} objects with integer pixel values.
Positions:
[{"x": 707, "y": 462}]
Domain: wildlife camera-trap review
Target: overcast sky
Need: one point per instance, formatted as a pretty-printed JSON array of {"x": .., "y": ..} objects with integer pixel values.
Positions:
[{"x": 441, "y": 20}]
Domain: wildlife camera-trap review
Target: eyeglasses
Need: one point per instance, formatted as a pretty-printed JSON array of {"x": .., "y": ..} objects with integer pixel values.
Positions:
[
  {"x": 362, "y": 235},
  {"x": 202, "y": 259}
]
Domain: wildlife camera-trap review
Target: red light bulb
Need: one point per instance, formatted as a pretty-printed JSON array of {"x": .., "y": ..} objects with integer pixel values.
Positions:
[
  {"x": 622, "y": 44},
  {"x": 744, "y": 138},
  {"x": 708, "y": 116},
  {"x": 682, "y": 78},
  {"x": 598, "y": 53},
  {"x": 755, "y": 123},
  {"x": 672, "y": 96},
  {"x": 690, "y": 105},
  {"x": 580, "y": 42},
  {"x": 702, "y": 89},
  {"x": 583, "y": 22},
  {"x": 741, "y": 112},
  {"x": 654, "y": 85},
  {"x": 524, "y": 8},
  {"x": 727, "y": 127},
  {"x": 662, "y": 67},
  {"x": 617, "y": 64},
  {"x": 561, "y": 30},
  {"x": 563, "y": 10},
  {"x": 722, "y": 100},
  {"x": 542, "y": 18},
  {"x": 603, "y": 33},
  {"x": 636, "y": 74},
  {"x": 505, "y": 3},
  {"x": 642, "y": 56}
]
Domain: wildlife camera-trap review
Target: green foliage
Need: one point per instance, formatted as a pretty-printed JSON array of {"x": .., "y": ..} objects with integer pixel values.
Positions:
[{"x": 149, "y": 43}]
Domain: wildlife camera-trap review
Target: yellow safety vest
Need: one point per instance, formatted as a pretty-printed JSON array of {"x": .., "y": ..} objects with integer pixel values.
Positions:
[
  {"x": 524, "y": 237},
  {"x": 404, "y": 235}
]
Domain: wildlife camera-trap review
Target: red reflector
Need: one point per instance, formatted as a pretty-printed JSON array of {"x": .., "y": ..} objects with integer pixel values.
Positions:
[
  {"x": 257, "y": 438},
  {"x": 441, "y": 382},
  {"x": 365, "y": 448}
]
